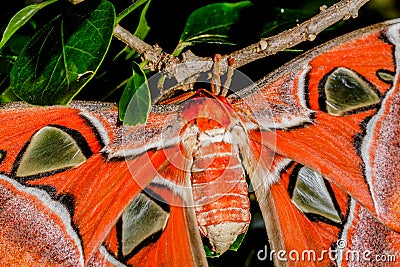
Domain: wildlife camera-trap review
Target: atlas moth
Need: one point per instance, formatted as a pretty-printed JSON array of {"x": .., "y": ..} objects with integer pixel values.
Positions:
[{"x": 318, "y": 139}]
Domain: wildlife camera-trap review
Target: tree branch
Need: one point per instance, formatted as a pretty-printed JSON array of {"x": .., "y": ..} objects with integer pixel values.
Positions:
[
  {"x": 153, "y": 54},
  {"x": 308, "y": 30},
  {"x": 158, "y": 60}
]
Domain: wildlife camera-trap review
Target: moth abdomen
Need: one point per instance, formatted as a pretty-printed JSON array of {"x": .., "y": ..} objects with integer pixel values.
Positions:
[{"x": 220, "y": 192}]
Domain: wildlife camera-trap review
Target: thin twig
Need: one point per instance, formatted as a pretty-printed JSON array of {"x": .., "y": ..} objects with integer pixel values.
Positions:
[
  {"x": 161, "y": 61},
  {"x": 308, "y": 30},
  {"x": 134, "y": 42}
]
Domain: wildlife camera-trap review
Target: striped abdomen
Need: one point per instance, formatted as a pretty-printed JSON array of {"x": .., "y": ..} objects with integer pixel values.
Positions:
[{"x": 220, "y": 191}]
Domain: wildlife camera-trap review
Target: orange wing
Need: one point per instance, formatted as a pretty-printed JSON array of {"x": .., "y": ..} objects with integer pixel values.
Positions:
[
  {"x": 175, "y": 243},
  {"x": 335, "y": 112},
  {"x": 66, "y": 185}
]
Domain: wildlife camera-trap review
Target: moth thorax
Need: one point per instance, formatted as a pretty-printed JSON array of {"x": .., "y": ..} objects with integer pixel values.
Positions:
[{"x": 220, "y": 190}]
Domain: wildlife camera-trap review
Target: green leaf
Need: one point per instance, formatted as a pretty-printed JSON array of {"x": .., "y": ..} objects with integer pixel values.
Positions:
[
  {"x": 6, "y": 63},
  {"x": 284, "y": 19},
  {"x": 128, "y": 10},
  {"x": 19, "y": 19},
  {"x": 134, "y": 104},
  {"x": 143, "y": 27},
  {"x": 64, "y": 55},
  {"x": 8, "y": 96},
  {"x": 18, "y": 42},
  {"x": 235, "y": 246},
  {"x": 211, "y": 24},
  {"x": 210, "y": 253},
  {"x": 141, "y": 31}
]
